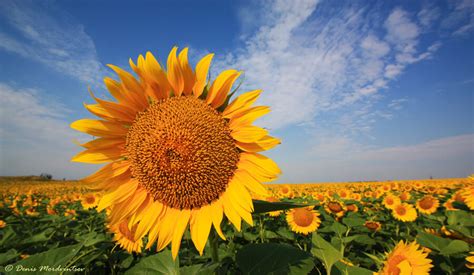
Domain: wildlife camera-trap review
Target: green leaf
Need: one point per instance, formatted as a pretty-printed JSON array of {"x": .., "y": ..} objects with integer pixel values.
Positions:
[
  {"x": 325, "y": 252},
  {"x": 265, "y": 206},
  {"x": 353, "y": 221},
  {"x": 364, "y": 239},
  {"x": 338, "y": 228},
  {"x": 342, "y": 268},
  {"x": 273, "y": 258},
  {"x": 454, "y": 247},
  {"x": 432, "y": 241},
  {"x": 7, "y": 256},
  {"x": 161, "y": 263},
  {"x": 58, "y": 257},
  {"x": 40, "y": 237},
  {"x": 461, "y": 218},
  {"x": 198, "y": 269}
]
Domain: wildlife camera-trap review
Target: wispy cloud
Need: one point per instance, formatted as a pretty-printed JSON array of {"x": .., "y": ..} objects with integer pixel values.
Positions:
[
  {"x": 35, "y": 136},
  {"x": 41, "y": 32},
  {"x": 312, "y": 59}
]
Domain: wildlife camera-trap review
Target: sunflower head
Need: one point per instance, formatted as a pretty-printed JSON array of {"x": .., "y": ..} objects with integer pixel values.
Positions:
[
  {"x": 179, "y": 152},
  {"x": 335, "y": 208},
  {"x": 303, "y": 220},
  {"x": 407, "y": 258},
  {"x": 427, "y": 205},
  {"x": 404, "y": 212},
  {"x": 89, "y": 201},
  {"x": 373, "y": 226},
  {"x": 125, "y": 237},
  {"x": 391, "y": 201}
]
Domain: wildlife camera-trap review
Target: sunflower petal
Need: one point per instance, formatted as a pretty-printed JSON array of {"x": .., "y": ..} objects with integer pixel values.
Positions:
[
  {"x": 188, "y": 74},
  {"x": 249, "y": 133},
  {"x": 241, "y": 103},
  {"x": 248, "y": 116},
  {"x": 220, "y": 87},
  {"x": 175, "y": 75},
  {"x": 99, "y": 128},
  {"x": 182, "y": 220},
  {"x": 202, "y": 69},
  {"x": 98, "y": 155},
  {"x": 263, "y": 144}
]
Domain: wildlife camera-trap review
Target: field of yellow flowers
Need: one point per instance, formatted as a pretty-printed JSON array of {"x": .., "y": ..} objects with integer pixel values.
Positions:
[{"x": 395, "y": 227}]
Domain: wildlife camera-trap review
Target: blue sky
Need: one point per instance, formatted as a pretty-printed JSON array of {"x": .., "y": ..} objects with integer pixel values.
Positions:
[{"x": 359, "y": 90}]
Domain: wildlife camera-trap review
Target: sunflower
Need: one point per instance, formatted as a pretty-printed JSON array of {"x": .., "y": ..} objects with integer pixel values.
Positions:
[
  {"x": 470, "y": 260},
  {"x": 407, "y": 258},
  {"x": 404, "y": 196},
  {"x": 468, "y": 195},
  {"x": 404, "y": 212},
  {"x": 303, "y": 220},
  {"x": 89, "y": 201},
  {"x": 373, "y": 226},
  {"x": 427, "y": 205},
  {"x": 285, "y": 191},
  {"x": 391, "y": 201},
  {"x": 126, "y": 238},
  {"x": 178, "y": 153},
  {"x": 352, "y": 207},
  {"x": 449, "y": 205},
  {"x": 2, "y": 224},
  {"x": 335, "y": 208}
]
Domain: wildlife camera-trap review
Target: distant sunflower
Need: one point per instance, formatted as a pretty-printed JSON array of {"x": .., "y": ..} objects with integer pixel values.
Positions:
[
  {"x": 391, "y": 201},
  {"x": 303, "y": 220},
  {"x": 178, "y": 153},
  {"x": 407, "y": 258},
  {"x": 89, "y": 201},
  {"x": 404, "y": 196},
  {"x": 404, "y": 212},
  {"x": 285, "y": 191},
  {"x": 335, "y": 208},
  {"x": 427, "y": 205},
  {"x": 373, "y": 226},
  {"x": 470, "y": 260},
  {"x": 126, "y": 238},
  {"x": 468, "y": 195},
  {"x": 2, "y": 224}
]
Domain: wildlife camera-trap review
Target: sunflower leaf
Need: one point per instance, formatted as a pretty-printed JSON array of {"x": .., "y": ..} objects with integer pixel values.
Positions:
[
  {"x": 265, "y": 206},
  {"x": 273, "y": 258}
]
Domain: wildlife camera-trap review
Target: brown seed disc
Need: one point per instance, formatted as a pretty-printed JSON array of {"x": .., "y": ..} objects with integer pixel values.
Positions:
[{"x": 182, "y": 153}]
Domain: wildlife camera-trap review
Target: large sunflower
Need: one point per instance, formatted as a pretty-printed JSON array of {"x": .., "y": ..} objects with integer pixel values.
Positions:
[
  {"x": 407, "y": 258},
  {"x": 178, "y": 153}
]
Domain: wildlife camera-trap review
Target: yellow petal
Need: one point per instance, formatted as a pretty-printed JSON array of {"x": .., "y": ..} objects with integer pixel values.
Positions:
[
  {"x": 99, "y": 128},
  {"x": 188, "y": 74},
  {"x": 252, "y": 184},
  {"x": 175, "y": 75},
  {"x": 202, "y": 68},
  {"x": 230, "y": 212},
  {"x": 201, "y": 228},
  {"x": 129, "y": 206},
  {"x": 248, "y": 133},
  {"x": 110, "y": 170},
  {"x": 182, "y": 219},
  {"x": 262, "y": 162},
  {"x": 248, "y": 116},
  {"x": 242, "y": 102},
  {"x": 149, "y": 218},
  {"x": 167, "y": 225},
  {"x": 217, "y": 213},
  {"x": 133, "y": 90},
  {"x": 119, "y": 111},
  {"x": 158, "y": 75},
  {"x": 98, "y": 155},
  {"x": 221, "y": 86},
  {"x": 101, "y": 143},
  {"x": 263, "y": 144},
  {"x": 123, "y": 192}
]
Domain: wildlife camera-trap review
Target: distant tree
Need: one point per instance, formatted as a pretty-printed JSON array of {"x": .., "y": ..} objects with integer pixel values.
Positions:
[{"x": 46, "y": 176}]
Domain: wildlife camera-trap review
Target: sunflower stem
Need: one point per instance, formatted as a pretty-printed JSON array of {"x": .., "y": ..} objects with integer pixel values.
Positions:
[{"x": 214, "y": 247}]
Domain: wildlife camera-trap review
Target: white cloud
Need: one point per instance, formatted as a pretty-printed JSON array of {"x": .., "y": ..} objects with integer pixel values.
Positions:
[
  {"x": 50, "y": 36},
  {"x": 312, "y": 60},
  {"x": 35, "y": 135}
]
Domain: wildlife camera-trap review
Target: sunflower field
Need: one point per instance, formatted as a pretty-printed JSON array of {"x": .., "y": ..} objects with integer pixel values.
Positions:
[{"x": 396, "y": 227}]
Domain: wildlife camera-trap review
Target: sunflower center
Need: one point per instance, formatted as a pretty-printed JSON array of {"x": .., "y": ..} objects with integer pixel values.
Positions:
[
  {"x": 401, "y": 210},
  {"x": 302, "y": 217},
  {"x": 371, "y": 225},
  {"x": 90, "y": 199},
  {"x": 335, "y": 207},
  {"x": 426, "y": 203},
  {"x": 182, "y": 153},
  {"x": 389, "y": 201}
]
